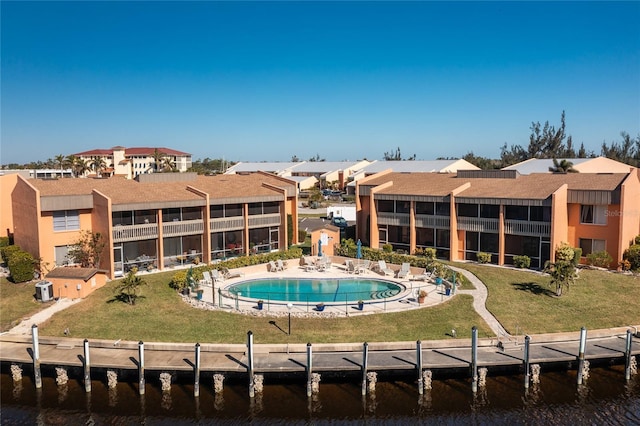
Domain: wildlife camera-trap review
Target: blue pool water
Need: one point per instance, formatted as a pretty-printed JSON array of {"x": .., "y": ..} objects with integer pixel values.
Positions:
[{"x": 316, "y": 289}]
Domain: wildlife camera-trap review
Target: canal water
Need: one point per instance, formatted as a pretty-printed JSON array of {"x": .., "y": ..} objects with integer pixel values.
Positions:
[{"x": 604, "y": 399}]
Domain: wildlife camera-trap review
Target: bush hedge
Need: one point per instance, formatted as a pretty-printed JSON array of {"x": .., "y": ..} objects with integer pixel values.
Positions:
[{"x": 522, "y": 262}]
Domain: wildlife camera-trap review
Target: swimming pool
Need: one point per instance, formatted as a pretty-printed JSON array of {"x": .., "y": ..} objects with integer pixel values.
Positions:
[{"x": 316, "y": 290}]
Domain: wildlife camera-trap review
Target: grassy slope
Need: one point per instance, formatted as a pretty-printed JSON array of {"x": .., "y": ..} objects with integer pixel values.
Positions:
[{"x": 524, "y": 301}]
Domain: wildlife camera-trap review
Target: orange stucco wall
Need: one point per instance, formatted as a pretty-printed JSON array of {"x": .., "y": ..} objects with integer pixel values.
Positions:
[
  {"x": 49, "y": 238},
  {"x": 608, "y": 232},
  {"x": 26, "y": 209},
  {"x": 68, "y": 287},
  {"x": 7, "y": 185},
  {"x": 559, "y": 219},
  {"x": 629, "y": 213}
]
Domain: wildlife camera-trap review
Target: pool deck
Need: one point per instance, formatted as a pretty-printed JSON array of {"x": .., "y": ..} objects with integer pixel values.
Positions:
[{"x": 401, "y": 302}]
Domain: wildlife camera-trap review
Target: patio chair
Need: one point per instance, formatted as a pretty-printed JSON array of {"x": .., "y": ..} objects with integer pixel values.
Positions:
[
  {"x": 363, "y": 267},
  {"x": 351, "y": 267},
  {"x": 404, "y": 271},
  {"x": 216, "y": 276},
  {"x": 272, "y": 266},
  {"x": 323, "y": 263},
  {"x": 383, "y": 269},
  {"x": 281, "y": 265},
  {"x": 206, "y": 279},
  {"x": 227, "y": 274},
  {"x": 308, "y": 264},
  {"x": 425, "y": 276}
]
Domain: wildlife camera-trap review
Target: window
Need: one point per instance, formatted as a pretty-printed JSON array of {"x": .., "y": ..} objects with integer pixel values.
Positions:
[
  {"x": 589, "y": 246},
  {"x": 467, "y": 210},
  {"x": 66, "y": 220},
  {"x": 491, "y": 211},
  {"x": 385, "y": 206},
  {"x": 516, "y": 212},
  {"x": 593, "y": 214},
  {"x": 403, "y": 206},
  {"x": 61, "y": 255},
  {"x": 424, "y": 208}
]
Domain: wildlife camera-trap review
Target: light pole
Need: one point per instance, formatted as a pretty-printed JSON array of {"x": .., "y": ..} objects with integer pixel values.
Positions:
[{"x": 289, "y": 306}]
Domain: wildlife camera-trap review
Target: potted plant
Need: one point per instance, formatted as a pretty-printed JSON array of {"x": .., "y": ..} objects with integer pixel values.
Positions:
[
  {"x": 421, "y": 296},
  {"x": 320, "y": 307},
  {"x": 260, "y": 304},
  {"x": 360, "y": 304},
  {"x": 439, "y": 271}
]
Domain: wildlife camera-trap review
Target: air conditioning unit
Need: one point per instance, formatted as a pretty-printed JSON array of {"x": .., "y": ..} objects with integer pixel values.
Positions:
[{"x": 44, "y": 291}]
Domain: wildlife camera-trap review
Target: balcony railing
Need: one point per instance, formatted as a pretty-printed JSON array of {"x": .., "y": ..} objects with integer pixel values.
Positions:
[
  {"x": 184, "y": 227},
  {"x": 428, "y": 221},
  {"x": 477, "y": 224},
  {"x": 258, "y": 221},
  {"x": 394, "y": 219},
  {"x": 124, "y": 233},
  {"x": 226, "y": 224},
  {"x": 521, "y": 227}
]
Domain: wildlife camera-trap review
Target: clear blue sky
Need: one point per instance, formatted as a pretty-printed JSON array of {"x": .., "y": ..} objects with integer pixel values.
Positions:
[{"x": 346, "y": 80}]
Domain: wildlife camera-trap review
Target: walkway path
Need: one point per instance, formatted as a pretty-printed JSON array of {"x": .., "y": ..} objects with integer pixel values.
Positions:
[{"x": 479, "y": 302}]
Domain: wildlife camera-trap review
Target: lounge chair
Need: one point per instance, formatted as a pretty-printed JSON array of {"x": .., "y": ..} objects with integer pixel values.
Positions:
[
  {"x": 216, "y": 276},
  {"x": 404, "y": 271},
  {"x": 206, "y": 279},
  {"x": 272, "y": 266},
  {"x": 227, "y": 274},
  {"x": 351, "y": 268},
  {"x": 383, "y": 269},
  {"x": 425, "y": 276},
  {"x": 308, "y": 264},
  {"x": 363, "y": 267},
  {"x": 323, "y": 263},
  {"x": 281, "y": 265}
]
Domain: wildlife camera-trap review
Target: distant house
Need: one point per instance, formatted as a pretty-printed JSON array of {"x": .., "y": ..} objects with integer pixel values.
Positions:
[
  {"x": 581, "y": 165},
  {"x": 132, "y": 162}
]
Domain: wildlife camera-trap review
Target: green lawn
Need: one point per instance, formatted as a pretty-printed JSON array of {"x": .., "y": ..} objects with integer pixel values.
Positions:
[
  {"x": 523, "y": 301},
  {"x": 17, "y": 302},
  {"x": 162, "y": 316}
]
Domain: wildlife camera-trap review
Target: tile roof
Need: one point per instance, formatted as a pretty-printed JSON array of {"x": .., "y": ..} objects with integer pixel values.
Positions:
[
  {"x": 534, "y": 186},
  {"x": 125, "y": 191}
]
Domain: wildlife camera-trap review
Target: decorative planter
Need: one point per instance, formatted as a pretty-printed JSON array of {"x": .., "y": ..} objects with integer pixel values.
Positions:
[{"x": 421, "y": 299}]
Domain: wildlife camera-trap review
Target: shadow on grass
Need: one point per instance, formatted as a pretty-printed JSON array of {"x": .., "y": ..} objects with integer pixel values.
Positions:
[
  {"x": 125, "y": 299},
  {"x": 534, "y": 288}
]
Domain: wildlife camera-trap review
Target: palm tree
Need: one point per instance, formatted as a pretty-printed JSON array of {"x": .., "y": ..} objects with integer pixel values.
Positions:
[
  {"x": 60, "y": 161},
  {"x": 79, "y": 166},
  {"x": 168, "y": 165},
  {"x": 562, "y": 166},
  {"x": 98, "y": 165},
  {"x": 158, "y": 160}
]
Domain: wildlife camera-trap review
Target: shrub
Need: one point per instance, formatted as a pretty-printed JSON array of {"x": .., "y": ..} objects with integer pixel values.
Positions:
[
  {"x": 21, "y": 266},
  {"x": 631, "y": 257},
  {"x": 577, "y": 254},
  {"x": 8, "y": 251},
  {"x": 566, "y": 253},
  {"x": 522, "y": 262},
  {"x": 636, "y": 240},
  {"x": 601, "y": 259},
  {"x": 387, "y": 248},
  {"x": 483, "y": 257},
  {"x": 4, "y": 242}
]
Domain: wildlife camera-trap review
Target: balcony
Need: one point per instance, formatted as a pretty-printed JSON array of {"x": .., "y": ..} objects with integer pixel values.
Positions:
[
  {"x": 477, "y": 224},
  {"x": 393, "y": 219},
  {"x": 428, "y": 221},
  {"x": 259, "y": 221},
  {"x": 183, "y": 227},
  {"x": 522, "y": 227},
  {"x": 226, "y": 224},
  {"x": 124, "y": 233}
]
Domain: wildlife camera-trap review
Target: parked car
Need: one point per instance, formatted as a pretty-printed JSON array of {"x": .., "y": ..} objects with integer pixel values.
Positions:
[{"x": 339, "y": 221}]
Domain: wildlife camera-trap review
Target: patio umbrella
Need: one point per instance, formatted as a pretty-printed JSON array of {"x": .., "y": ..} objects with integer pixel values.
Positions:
[
  {"x": 359, "y": 249},
  {"x": 319, "y": 248}
]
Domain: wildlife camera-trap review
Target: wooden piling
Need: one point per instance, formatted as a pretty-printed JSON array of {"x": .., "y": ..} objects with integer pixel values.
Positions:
[
  {"x": 583, "y": 344},
  {"x": 365, "y": 360},
  {"x": 627, "y": 356},
  {"x": 474, "y": 359},
  {"x": 252, "y": 391},
  {"x": 141, "y": 384},
  {"x": 419, "y": 365},
  {"x": 196, "y": 372},
  {"x": 309, "y": 369},
  {"x": 37, "y": 374},
  {"x": 527, "y": 379},
  {"x": 87, "y": 367}
]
